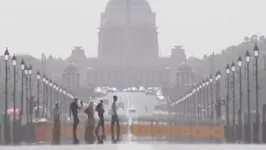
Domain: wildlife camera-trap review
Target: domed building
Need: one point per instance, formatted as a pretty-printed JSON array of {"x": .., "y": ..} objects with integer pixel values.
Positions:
[
  {"x": 128, "y": 51},
  {"x": 185, "y": 75},
  {"x": 71, "y": 76}
]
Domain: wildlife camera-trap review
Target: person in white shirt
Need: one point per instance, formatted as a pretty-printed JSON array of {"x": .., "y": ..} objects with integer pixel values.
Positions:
[{"x": 115, "y": 120}]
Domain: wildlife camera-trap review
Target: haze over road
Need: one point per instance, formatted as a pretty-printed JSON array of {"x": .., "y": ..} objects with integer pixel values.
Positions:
[{"x": 137, "y": 99}]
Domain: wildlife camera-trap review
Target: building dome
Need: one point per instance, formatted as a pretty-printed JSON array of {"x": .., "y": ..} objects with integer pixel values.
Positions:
[
  {"x": 184, "y": 68},
  {"x": 117, "y": 13},
  {"x": 71, "y": 68}
]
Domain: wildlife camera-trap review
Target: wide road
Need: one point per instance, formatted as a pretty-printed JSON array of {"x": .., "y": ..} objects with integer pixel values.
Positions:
[
  {"x": 136, "y": 99},
  {"x": 136, "y": 146}
]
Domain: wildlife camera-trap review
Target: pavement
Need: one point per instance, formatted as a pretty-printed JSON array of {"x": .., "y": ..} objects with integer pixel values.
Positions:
[{"x": 138, "y": 146}]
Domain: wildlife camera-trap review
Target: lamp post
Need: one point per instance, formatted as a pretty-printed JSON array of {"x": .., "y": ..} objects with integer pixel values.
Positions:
[
  {"x": 51, "y": 97},
  {"x": 200, "y": 100},
  {"x": 256, "y": 55},
  {"x": 204, "y": 99},
  {"x": 64, "y": 106},
  {"x": 14, "y": 63},
  {"x": 212, "y": 103},
  {"x": 31, "y": 99},
  {"x": 22, "y": 67},
  {"x": 6, "y": 129},
  {"x": 43, "y": 95},
  {"x": 27, "y": 96},
  {"x": 248, "y": 100},
  {"x": 38, "y": 93},
  {"x": 239, "y": 62},
  {"x": 207, "y": 99},
  {"x": 46, "y": 93},
  {"x": 60, "y": 97},
  {"x": 54, "y": 94},
  {"x": 233, "y": 68},
  {"x": 194, "y": 102},
  {"x": 218, "y": 105},
  {"x": 197, "y": 103},
  {"x": 227, "y": 69}
]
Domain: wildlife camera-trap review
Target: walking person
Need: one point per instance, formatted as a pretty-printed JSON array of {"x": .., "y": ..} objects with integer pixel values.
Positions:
[
  {"x": 74, "y": 110},
  {"x": 115, "y": 120},
  {"x": 56, "y": 129},
  {"x": 100, "y": 109},
  {"x": 89, "y": 135}
]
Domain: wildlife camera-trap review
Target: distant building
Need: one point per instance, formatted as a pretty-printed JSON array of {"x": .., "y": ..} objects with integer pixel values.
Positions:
[{"x": 128, "y": 51}]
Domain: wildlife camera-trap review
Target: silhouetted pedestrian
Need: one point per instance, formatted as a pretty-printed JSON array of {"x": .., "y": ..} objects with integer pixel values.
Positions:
[
  {"x": 115, "y": 120},
  {"x": 74, "y": 110},
  {"x": 56, "y": 129},
  {"x": 100, "y": 109},
  {"x": 89, "y": 135}
]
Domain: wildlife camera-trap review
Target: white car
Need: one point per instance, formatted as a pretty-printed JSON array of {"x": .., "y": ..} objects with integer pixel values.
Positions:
[
  {"x": 134, "y": 89},
  {"x": 160, "y": 97},
  {"x": 132, "y": 109},
  {"x": 141, "y": 89}
]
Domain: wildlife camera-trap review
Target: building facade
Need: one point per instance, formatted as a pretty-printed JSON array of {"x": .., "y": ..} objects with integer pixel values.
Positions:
[{"x": 128, "y": 50}]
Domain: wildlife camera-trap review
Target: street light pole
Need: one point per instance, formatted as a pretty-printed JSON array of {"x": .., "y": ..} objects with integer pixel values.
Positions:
[
  {"x": 227, "y": 69},
  {"x": 14, "y": 63},
  {"x": 218, "y": 105},
  {"x": 38, "y": 93},
  {"x": 27, "y": 96},
  {"x": 51, "y": 98},
  {"x": 248, "y": 100},
  {"x": 256, "y": 55},
  {"x": 31, "y": 99},
  {"x": 212, "y": 103},
  {"x": 200, "y": 100},
  {"x": 233, "y": 68},
  {"x": 6, "y": 129},
  {"x": 46, "y": 97},
  {"x": 43, "y": 95},
  {"x": 240, "y": 97},
  {"x": 22, "y": 66},
  {"x": 204, "y": 98},
  {"x": 207, "y": 99}
]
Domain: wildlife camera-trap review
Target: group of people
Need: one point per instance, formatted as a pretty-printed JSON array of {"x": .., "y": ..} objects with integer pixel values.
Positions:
[{"x": 90, "y": 125}]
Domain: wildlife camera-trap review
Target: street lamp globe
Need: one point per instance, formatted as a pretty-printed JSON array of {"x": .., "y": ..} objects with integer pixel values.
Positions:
[
  {"x": 211, "y": 79},
  {"x": 247, "y": 57},
  {"x": 30, "y": 70},
  {"x": 207, "y": 82},
  {"x": 6, "y": 54},
  {"x": 233, "y": 67},
  {"x": 22, "y": 64},
  {"x": 26, "y": 70},
  {"x": 239, "y": 61},
  {"x": 46, "y": 81},
  {"x": 256, "y": 51},
  {"x": 60, "y": 90},
  {"x": 203, "y": 83},
  {"x": 38, "y": 75},
  {"x": 51, "y": 83},
  {"x": 14, "y": 60},
  {"x": 218, "y": 75},
  {"x": 227, "y": 69}
]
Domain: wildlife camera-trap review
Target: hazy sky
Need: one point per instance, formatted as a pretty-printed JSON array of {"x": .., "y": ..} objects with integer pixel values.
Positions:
[{"x": 55, "y": 26}]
